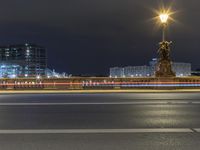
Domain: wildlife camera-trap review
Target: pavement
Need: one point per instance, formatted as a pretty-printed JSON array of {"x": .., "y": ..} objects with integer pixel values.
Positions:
[{"x": 112, "y": 121}]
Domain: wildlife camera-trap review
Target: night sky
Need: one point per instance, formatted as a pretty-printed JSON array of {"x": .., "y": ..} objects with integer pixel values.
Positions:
[{"x": 89, "y": 36}]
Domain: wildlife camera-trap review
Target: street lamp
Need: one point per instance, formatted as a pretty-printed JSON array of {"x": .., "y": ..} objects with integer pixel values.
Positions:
[{"x": 164, "y": 18}]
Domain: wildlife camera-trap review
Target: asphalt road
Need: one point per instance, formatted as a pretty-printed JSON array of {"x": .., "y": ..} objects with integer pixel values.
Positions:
[{"x": 100, "y": 121}]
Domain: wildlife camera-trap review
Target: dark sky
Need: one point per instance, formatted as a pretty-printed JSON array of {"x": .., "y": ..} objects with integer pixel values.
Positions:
[{"x": 89, "y": 36}]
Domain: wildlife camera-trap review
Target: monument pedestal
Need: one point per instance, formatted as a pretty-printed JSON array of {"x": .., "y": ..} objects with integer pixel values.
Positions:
[{"x": 164, "y": 69}]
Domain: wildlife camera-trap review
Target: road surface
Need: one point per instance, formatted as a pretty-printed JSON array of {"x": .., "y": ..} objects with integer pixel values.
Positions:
[{"x": 100, "y": 121}]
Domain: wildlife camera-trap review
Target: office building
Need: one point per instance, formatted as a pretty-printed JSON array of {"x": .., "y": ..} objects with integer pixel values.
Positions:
[
  {"x": 27, "y": 60},
  {"x": 137, "y": 71},
  {"x": 116, "y": 72}
]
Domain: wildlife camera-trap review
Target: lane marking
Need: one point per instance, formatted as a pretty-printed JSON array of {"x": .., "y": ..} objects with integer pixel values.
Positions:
[
  {"x": 196, "y": 129},
  {"x": 195, "y": 102},
  {"x": 98, "y": 103},
  {"x": 193, "y": 130},
  {"x": 84, "y": 103},
  {"x": 95, "y": 131}
]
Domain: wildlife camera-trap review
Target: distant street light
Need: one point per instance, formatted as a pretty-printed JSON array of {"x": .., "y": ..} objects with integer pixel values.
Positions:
[{"x": 38, "y": 77}]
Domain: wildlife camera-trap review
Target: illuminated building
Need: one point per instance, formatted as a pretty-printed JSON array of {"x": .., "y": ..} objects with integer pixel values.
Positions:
[
  {"x": 116, "y": 72},
  {"x": 137, "y": 71},
  {"x": 26, "y": 60},
  {"x": 181, "y": 70}
]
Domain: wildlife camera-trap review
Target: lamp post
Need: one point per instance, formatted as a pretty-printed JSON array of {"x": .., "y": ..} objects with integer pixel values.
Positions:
[{"x": 164, "y": 18}]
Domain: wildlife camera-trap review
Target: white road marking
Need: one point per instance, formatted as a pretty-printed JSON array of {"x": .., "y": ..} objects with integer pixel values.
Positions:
[
  {"x": 197, "y": 129},
  {"x": 95, "y": 103},
  {"x": 84, "y": 103},
  {"x": 95, "y": 131},
  {"x": 194, "y": 102}
]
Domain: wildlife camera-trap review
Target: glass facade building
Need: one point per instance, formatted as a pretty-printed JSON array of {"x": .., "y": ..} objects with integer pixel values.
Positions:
[{"x": 27, "y": 60}]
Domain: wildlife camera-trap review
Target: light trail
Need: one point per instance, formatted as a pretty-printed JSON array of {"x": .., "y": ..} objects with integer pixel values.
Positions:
[{"x": 103, "y": 84}]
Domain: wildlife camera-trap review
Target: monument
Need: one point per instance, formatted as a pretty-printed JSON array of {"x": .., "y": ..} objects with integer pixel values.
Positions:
[{"x": 164, "y": 65}]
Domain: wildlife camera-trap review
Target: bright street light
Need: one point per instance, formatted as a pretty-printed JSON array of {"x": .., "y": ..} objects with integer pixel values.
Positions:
[{"x": 164, "y": 18}]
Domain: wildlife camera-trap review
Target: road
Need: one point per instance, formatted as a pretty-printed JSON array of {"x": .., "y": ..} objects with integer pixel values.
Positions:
[{"x": 100, "y": 121}]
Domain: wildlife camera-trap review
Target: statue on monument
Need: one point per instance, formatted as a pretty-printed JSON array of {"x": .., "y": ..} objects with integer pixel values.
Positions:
[
  {"x": 164, "y": 50},
  {"x": 164, "y": 67}
]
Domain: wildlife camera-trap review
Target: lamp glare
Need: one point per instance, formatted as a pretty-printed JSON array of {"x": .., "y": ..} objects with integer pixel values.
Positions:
[{"x": 164, "y": 18}]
